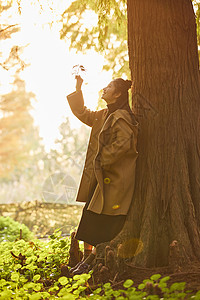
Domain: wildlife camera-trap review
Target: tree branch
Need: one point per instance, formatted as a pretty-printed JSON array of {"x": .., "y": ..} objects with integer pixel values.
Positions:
[{"x": 8, "y": 27}]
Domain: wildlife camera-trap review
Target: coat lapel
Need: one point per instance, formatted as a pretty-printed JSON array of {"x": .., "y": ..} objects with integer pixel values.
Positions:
[{"x": 119, "y": 114}]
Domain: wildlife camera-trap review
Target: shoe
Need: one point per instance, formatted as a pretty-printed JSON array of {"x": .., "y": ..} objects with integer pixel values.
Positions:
[{"x": 81, "y": 269}]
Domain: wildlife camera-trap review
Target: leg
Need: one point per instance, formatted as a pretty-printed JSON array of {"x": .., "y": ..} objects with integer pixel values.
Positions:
[
  {"x": 87, "y": 250},
  {"x": 84, "y": 265}
]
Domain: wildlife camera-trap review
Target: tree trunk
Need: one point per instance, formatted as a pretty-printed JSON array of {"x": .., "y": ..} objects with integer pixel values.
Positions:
[{"x": 166, "y": 96}]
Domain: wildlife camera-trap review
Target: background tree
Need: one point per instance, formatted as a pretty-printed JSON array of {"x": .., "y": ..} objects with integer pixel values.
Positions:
[
  {"x": 21, "y": 148},
  {"x": 68, "y": 156},
  {"x": 15, "y": 123},
  {"x": 20, "y": 144},
  {"x": 15, "y": 119},
  {"x": 9, "y": 59},
  {"x": 63, "y": 165}
]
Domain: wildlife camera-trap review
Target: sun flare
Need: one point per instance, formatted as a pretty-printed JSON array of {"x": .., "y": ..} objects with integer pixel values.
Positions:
[{"x": 49, "y": 74}]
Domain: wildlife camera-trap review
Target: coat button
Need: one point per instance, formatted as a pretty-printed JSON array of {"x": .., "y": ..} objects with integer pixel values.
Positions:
[
  {"x": 116, "y": 206},
  {"x": 107, "y": 180}
]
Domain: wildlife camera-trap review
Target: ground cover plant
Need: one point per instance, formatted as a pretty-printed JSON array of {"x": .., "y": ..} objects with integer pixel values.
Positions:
[
  {"x": 33, "y": 270},
  {"x": 10, "y": 230}
]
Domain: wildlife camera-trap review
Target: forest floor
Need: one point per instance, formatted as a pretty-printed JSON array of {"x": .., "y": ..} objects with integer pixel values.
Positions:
[
  {"x": 110, "y": 268},
  {"x": 190, "y": 274}
]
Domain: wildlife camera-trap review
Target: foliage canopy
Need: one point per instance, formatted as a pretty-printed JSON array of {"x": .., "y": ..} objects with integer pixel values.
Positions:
[{"x": 107, "y": 34}]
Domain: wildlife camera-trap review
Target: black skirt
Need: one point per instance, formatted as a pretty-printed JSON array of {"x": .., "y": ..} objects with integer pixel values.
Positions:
[{"x": 98, "y": 228}]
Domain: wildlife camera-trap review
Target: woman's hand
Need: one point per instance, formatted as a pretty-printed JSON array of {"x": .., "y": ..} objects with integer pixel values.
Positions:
[{"x": 79, "y": 82}]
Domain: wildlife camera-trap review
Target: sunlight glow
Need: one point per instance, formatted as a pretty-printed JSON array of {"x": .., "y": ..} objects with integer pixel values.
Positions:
[{"x": 49, "y": 74}]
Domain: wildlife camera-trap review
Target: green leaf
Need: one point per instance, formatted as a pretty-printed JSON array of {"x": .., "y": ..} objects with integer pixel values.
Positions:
[
  {"x": 3, "y": 282},
  {"x": 177, "y": 286},
  {"x": 63, "y": 243},
  {"x": 37, "y": 287},
  {"x": 116, "y": 294},
  {"x": 63, "y": 280},
  {"x": 155, "y": 277},
  {"x": 164, "y": 279},
  {"x": 85, "y": 276},
  {"x": 162, "y": 285},
  {"x": 128, "y": 283},
  {"x": 109, "y": 293},
  {"x": 197, "y": 296},
  {"x": 54, "y": 288},
  {"x": 52, "y": 237},
  {"x": 77, "y": 277},
  {"x": 141, "y": 286},
  {"x": 30, "y": 267},
  {"x": 22, "y": 279},
  {"x": 75, "y": 286},
  {"x": 81, "y": 281},
  {"x": 153, "y": 297},
  {"x": 181, "y": 295},
  {"x": 45, "y": 295},
  {"x": 17, "y": 266},
  {"x": 14, "y": 276},
  {"x": 66, "y": 295},
  {"x": 82, "y": 288},
  {"x": 147, "y": 280},
  {"x": 36, "y": 277},
  {"x": 107, "y": 285},
  {"x": 6, "y": 294},
  {"x": 69, "y": 297},
  {"x": 97, "y": 291},
  {"x": 28, "y": 285},
  {"x": 36, "y": 296}
]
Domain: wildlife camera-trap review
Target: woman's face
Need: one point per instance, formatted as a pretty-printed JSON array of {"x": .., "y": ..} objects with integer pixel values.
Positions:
[{"x": 110, "y": 94}]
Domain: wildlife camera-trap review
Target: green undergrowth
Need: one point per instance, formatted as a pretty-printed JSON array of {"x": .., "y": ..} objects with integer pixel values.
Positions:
[
  {"x": 32, "y": 270},
  {"x": 10, "y": 230}
]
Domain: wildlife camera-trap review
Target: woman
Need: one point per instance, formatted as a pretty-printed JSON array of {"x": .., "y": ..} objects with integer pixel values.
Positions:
[{"x": 107, "y": 182}]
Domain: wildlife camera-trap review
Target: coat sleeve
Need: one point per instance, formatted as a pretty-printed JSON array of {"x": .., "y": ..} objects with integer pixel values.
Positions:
[
  {"x": 121, "y": 143},
  {"x": 76, "y": 103}
]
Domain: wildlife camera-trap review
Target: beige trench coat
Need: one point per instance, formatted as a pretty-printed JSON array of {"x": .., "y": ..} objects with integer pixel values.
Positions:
[{"x": 109, "y": 172}]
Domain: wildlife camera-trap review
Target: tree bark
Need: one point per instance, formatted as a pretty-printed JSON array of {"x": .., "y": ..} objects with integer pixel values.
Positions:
[{"x": 166, "y": 98}]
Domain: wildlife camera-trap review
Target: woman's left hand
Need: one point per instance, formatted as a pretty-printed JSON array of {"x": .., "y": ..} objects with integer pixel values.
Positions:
[{"x": 79, "y": 82}]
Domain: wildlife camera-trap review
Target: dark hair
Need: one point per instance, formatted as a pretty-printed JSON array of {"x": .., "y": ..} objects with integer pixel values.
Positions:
[{"x": 122, "y": 85}]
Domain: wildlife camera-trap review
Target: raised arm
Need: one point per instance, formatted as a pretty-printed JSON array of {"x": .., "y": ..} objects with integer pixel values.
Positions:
[{"x": 76, "y": 103}]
